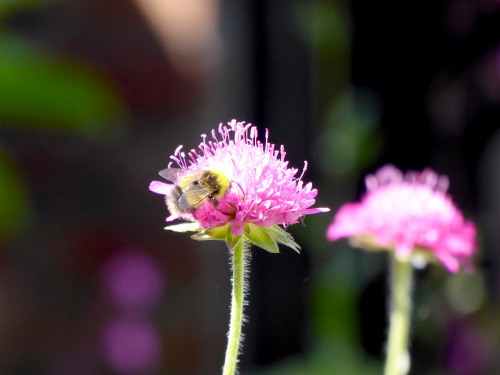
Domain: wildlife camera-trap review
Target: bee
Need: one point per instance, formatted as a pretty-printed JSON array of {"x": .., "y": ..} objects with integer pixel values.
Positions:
[{"x": 193, "y": 187}]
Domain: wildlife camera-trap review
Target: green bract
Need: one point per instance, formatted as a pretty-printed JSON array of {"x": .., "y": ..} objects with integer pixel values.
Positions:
[{"x": 267, "y": 238}]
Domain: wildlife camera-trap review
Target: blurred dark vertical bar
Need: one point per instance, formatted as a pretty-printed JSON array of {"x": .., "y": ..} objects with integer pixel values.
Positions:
[
  {"x": 283, "y": 72},
  {"x": 282, "y": 104},
  {"x": 396, "y": 50},
  {"x": 260, "y": 58}
]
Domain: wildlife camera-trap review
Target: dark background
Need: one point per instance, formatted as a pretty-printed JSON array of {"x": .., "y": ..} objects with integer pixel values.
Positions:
[{"x": 94, "y": 98}]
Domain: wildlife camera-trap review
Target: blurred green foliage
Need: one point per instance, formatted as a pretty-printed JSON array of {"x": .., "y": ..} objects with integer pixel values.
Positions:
[
  {"x": 8, "y": 7},
  {"x": 324, "y": 26},
  {"x": 351, "y": 138},
  {"x": 43, "y": 91},
  {"x": 13, "y": 197}
]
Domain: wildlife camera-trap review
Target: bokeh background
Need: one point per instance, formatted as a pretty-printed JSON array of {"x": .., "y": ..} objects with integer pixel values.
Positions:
[{"x": 96, "y": 95}]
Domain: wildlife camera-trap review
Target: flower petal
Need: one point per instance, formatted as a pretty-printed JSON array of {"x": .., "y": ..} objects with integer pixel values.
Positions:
[{"x": 161, "y": 187}]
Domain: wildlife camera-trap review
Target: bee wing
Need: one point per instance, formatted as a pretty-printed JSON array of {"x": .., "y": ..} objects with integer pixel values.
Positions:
[
  {"x": 174, "y": 174},
  {"x": 193, "y": 196}
]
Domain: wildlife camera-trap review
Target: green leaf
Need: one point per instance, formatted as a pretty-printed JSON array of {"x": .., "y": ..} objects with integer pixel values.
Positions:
[
  {"x": 259, "y": 236},
  {"x": 232, "y": 240},
  {"x": 190, "y": 226},
  {"x": 267, "y": 238},
  {"x": 41, "y": 91},
  {"x": 214, "y": 234},
  {"x": 283, "y": 237},
  {"x": 13, "y": 198},
  {"x": 218, "y": 234}
]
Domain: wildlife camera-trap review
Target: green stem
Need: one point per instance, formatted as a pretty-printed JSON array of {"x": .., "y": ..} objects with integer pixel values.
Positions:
[
  {"x": 237, "y": 302},
  {"x": 398, "y": 358}
]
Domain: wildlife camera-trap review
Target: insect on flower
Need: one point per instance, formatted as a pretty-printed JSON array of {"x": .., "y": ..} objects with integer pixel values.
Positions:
[{"x": 193, "y": 187}]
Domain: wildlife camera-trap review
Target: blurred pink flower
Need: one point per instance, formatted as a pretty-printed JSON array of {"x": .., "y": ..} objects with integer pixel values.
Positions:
[
  {"x": 409, "y": 213},
  {"x": 131, "y": 346},
  {"x": 134, "y": 279},
  {"x": 468, "y": 351},
  {"x": 265, "y": 190}
]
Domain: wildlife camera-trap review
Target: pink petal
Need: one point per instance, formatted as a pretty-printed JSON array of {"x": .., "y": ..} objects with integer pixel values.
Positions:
[
  {"x": 309, "y": 211},
  {"x": 237, "y": 228},
  {"x": 346, "y": 222},
  {"x": 161, "y": 187}
]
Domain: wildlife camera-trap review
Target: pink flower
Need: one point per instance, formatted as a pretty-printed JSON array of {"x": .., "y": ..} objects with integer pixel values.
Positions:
[
  {"x": 132, "y": 345},
  {"x": 410, "y": 213},
  {"x": 264, "y": 190}
]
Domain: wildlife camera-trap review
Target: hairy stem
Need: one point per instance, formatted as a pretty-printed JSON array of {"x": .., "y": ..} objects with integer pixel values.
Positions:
[
  {"x": 398, "y": 358},
  {"x": 237, "y": 302}
]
